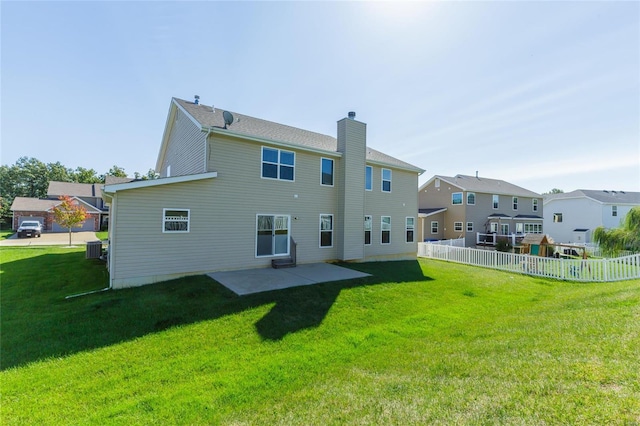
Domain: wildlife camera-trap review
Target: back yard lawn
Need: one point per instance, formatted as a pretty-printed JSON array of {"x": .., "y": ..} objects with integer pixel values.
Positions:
[{"x": 420, "y": 342}]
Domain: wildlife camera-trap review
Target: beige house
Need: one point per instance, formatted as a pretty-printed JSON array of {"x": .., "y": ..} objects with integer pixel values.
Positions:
[
  {"x": 237, "y": 192},
  {"x": 475, "y": 208}
]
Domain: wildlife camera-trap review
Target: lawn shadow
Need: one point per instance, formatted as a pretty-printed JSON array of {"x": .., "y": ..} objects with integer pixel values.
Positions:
[{"x": 38, "y": 322}]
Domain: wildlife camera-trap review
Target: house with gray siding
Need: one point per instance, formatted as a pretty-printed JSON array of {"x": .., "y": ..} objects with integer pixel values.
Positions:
[
  {"x": 571, "y": 217},
  {"x": 464, "y": 206},
  {"x": 236, "y": 192}
]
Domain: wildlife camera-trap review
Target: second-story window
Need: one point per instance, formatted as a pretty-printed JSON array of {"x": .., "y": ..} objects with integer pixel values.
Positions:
[
  {"x": 278, "y": 164},
  {"x": 614, "y": 210},
  {"x": 368, "y": 178},
  {"x": 471, "y": 198},
  {"x": 534, "y": 204},
  {"x": 557, "y": 218},
  {"x": 456, "y": 198},
  {"x": 326, "y": 166},
  {"x": 515, "y": 203},
  {"x": 496, "y": 201},
  {"x": 386, "y": 180}
]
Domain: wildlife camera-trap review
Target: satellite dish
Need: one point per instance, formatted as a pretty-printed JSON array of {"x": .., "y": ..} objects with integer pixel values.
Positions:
[{"x": 228, "y": 118}]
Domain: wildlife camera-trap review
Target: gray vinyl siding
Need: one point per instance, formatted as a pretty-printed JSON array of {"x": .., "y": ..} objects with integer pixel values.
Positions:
[
  {"x": 185, "y": 151},
  {"x": 400, "y": 203}
]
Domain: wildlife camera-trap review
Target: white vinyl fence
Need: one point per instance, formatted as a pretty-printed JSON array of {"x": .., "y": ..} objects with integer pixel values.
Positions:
[
  {"x": 457, "y": 242},
  {"x": 589, "y": 270}
]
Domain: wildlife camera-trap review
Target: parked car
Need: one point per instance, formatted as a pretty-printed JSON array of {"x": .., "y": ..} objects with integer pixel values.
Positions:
[{"x": 30, "y": 228}]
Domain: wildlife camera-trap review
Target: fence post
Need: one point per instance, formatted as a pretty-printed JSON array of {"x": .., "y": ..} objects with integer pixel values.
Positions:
[{"x": 605, "y": 269}]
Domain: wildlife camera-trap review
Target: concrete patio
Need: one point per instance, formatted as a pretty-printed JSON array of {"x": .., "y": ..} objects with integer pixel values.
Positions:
[{"x": 252, "y": 281}]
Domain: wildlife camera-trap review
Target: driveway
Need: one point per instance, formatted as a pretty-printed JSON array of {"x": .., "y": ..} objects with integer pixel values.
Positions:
[{"x": 51, "y": 239}]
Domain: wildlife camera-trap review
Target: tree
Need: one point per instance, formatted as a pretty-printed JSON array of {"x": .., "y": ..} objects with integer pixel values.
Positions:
[
  {"x": 151, "y": 174},
  {"x": 82, "y": 175},
  {"x": 69, "y": 213},
  {"x": 116, "y": 171},
  {"x": 626, "y": 237},
  {"x": 554, "y": 191}
]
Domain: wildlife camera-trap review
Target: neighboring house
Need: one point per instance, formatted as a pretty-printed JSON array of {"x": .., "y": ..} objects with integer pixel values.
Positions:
[
  {"x": 465, "y": 206},
  {"x": 90, "y": 193},
  {"x": 25, "y": 208},
  {"x": 235, "y": 192},
  {"x": 571, "y": 217}
]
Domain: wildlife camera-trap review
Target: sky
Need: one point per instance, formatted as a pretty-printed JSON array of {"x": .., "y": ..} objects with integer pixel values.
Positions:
[{"x": 541, "y": 94}]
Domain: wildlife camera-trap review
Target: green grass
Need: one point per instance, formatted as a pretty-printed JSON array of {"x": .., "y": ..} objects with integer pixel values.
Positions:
[
  {"x": 102, "y": 235},
  {"x": 422, "y": 342},
  {"x": 6, "y": 233}
]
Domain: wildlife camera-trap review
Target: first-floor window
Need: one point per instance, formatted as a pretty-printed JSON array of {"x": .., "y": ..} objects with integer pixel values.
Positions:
[
  {"x": 326, "y": 230},
  {"x": 368, "y": 225},
  {"x": 272, "y": 235},
  {"x": 519, "y": 228},
  {"x": 434, "y": 227},
  {"x": 385, "y": 230},
  {"x": 494, "y": 227},
  {"x": 175, "y": 220},
  {"x": 504, "y": 228},
  {"x": 457, "y": 226},
  {"x": 533, "y": 228},
  {"x": 469, "y": 226},
  {"x": 410, "y": 226}
]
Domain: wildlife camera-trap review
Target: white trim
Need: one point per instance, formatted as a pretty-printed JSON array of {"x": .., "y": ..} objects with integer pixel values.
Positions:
[
  {"x": 112, "y": 189},
  {"x": 406, "y": 229},
  {"x": 382, "y": 181},
  {"x": 370, "y": 231},
  {"x": 383, "y": 230},
  {"x": 255, "y": 230},
  {"x": 320, "y": 230},
  {"x": 461, "y": 199},
  {"x": 333, "y": 171},
  {"x": 493, "y": 204},
  {"x": 278, "y": 164},
  {"x": 437, "y": 227},
  {"x": 461, "y": 226},
  {"x": 467, "y": 227},
  {"x": 74, "y": 197},
  {"x": 474, "y": 198},
  {"x": 164, "y": 220},
  {"x": 365, "y": 177},
  {"x": 515, "y": 201},
  {"x": 444, "y": 209},
  {"x": 535, "y": 206}
]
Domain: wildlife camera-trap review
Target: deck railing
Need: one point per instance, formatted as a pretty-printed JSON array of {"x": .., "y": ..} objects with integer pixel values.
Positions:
[{"x": 586, "y": 270}]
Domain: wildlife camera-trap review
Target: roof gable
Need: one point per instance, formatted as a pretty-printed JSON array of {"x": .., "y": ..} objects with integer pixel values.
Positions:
[{"x": 38, "y": 205}]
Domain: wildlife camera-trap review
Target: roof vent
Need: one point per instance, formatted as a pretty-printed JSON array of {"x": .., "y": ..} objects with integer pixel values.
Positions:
[
  {"x": 352, "y": 115},
  {"x": 197, "y": 99}
]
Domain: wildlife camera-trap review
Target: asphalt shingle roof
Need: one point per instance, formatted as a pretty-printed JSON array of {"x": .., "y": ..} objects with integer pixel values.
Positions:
[
  {"x": 256, "y": 127},
  {"x": 74, "y": 189},
  {"x": 603, "y": 196},
  {"x": 487, "y": 186},
  {"x": 33, "y": 204}
]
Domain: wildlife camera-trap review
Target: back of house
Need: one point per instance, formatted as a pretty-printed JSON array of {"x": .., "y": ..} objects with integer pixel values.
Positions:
[{"x": 236, "y": 192}]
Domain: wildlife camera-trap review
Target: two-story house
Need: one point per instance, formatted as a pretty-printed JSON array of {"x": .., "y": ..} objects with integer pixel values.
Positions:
[
  {"x": 88, "y": 195},
  {"x": 571, "y": 217},
  {"x": 236, "y": 192},
  {"x": 465, "y": 206}
]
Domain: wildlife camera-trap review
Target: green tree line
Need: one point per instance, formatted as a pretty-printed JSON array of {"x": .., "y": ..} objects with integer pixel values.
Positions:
[{"x": 30, "y": 177}]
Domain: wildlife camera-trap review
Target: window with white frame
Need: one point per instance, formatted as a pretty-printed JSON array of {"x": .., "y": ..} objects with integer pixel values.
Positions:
[
  {"x": 437, "y": 183},
  {"x": 278, "y": 164},
  {"x": 557, "y": 218},
  {"x": 272, "y": 235},
  {"x": 385, "y": 230},
  {"x": 456, "y": 198},
  {"x": 326, "y": 230},
  {"x": 410, "y": 225},
  {"x": 469, "y": 226},
  {"x": 614, "y": 210},
  {"x": 434, "y": 227},
  {"x": 386, "y": 180},
  {"x": 534, "y": 204},
  {"x": 175, "y": 220},
  {"x": 471, "y": 198},
  {"x": 504, "y": 228},
  {"x": 493, "y": 227},
  {"x": 457, "y": 226},
  {"x": 519, "y": 228},
  {"x": 533, "y": 228},
  {"x": 515, "y": 202},
  {"x": 326, "y": 171},
  {"x": 496, "y": 201},
  {"x": 368, "y": 178},
  {"x": 368, "y": 227}
]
